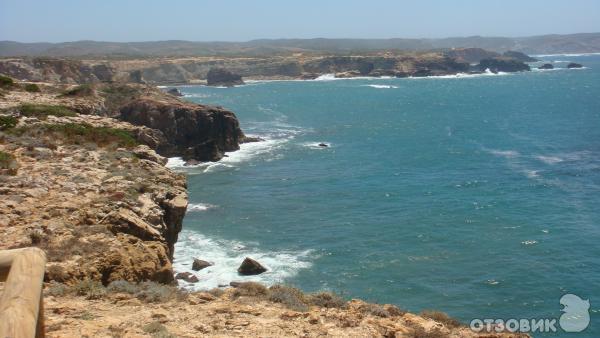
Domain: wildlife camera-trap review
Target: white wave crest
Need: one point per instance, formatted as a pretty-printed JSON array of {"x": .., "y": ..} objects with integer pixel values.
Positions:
[
  {"x": 503, "y": 153},
  {"x": 200, "y": 207},
  {"x": 317, "y": 145},
  {"x": 549, "y": 159},
  {"x": 326, "y": 77},
  {"x": 578, "y": 54},
  {"x": 380, "y": 86},
  {"x": 227, "y": 257}
]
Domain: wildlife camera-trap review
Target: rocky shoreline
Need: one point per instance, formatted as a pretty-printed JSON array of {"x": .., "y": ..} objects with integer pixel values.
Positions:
[
  {"x": 83, "y": 177},
  {"x": 232, "y": 71}
]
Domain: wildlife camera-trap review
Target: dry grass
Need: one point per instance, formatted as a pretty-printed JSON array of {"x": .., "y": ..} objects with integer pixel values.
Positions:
[{"x": 441, "y": 317}]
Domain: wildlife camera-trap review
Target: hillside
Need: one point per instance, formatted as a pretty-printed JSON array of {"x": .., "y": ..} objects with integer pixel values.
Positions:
[{"x": 543, "y": 44}]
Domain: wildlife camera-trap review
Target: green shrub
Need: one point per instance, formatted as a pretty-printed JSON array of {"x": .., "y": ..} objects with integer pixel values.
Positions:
[
  {"x": 8, "y": 163},
  {"x": 6, "y": 82},
  {"x": 32, "y": 88},
  {"x": 123, "y": 287},
  {"x": 7, "y": 122},
  {"x": 42, "y": 111},
  {"x": 82, "y": 90},
  {"x": 81, "y": 133}
]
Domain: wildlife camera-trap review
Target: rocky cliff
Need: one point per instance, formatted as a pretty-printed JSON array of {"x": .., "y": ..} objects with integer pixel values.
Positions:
[{"x": 196, "y": 69}]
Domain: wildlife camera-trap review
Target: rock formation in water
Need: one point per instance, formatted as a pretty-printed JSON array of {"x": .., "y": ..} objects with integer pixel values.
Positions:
[
  {"x": 546, "y": 66},
  {"x": 519, "y": 56},
  {"x": 503, "y": 64},
  {"x": 223, "y": 77},
  {"x": 574, "y": 65}
]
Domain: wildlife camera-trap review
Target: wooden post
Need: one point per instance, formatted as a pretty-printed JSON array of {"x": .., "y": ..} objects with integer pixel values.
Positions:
[{"x": 21, "y": 301}]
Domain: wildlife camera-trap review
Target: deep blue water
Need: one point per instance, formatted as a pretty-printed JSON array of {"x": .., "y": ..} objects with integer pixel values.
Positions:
[{"x": 478, "y": 196}]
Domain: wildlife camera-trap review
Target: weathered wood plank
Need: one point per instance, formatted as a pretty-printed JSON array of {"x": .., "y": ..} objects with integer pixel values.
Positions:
[{"x": 21, "y": 303}]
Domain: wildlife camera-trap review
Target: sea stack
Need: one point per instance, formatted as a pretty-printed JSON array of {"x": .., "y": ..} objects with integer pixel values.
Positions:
[{"x": 574, "y": 65}]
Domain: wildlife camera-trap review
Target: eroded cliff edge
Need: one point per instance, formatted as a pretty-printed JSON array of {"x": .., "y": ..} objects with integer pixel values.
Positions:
[{"x": 90, "y": 188}]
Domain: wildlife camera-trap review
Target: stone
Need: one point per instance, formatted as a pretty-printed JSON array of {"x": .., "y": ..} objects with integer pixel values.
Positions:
[
  {"x": 199, "y": 264},
  {"x": 546, "y": 66},
  {"x": 503, "y": 64},
  {"x": 223, "y": 77},
  {"x": 187, "y": 276},
  {"x": 251, "y": 267},
  {"x": 574, "y": 65},
  {"x": 174, "y": 92}
]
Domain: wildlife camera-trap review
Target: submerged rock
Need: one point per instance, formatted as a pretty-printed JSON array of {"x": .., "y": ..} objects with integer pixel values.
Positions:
[
  {"x": 251, "y": 267},
  {"x": 200, "y": 264},
  {"x": 546, "y": 66},
  {"x": 223, "y": 77},
  {"x": 574, "y": 65},
  {"x": 324, "y": 145}
]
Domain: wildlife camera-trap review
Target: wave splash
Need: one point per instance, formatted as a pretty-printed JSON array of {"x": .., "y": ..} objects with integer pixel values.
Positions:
[{"x": 228, "y": 255}]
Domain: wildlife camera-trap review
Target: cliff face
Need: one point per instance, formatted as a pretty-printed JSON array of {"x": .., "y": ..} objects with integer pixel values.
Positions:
[
  {"x": 101, "y": 207},
  {"x": 196, "y": 69},
  {"x": 196, "y": 132}
]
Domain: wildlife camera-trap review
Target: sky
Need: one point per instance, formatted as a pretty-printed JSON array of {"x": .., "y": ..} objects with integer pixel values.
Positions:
[{"x": 242, "y": 20}]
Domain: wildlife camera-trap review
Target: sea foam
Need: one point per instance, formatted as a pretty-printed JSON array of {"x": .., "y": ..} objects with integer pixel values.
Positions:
[{"x": 228, "y": 255}]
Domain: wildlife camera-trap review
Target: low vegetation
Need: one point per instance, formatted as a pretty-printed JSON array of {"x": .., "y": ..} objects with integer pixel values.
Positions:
[
  {"x": 75, "y": 133},
  {"x": 42, "y": 111},
  {"x": 81, "y": 90},
  {"x": 157, "y": 330},
  {"x": 290, "y": 297},
  {"x": 441, "y": 317},
  {"x": 6, "y": 82},
  {"x": 7, "y": 122},
  {"x": 148, "y": 292},
  {"x": 8, "y": 164},
  {"x": 32, "y": 88}
]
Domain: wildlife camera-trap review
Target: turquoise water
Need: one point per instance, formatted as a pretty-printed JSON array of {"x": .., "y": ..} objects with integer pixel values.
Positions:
[{"x": 478, "y": 196}]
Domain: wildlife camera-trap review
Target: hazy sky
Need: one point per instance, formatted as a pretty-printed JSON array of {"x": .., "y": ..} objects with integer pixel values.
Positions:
[{"x": 240, "y": 20}]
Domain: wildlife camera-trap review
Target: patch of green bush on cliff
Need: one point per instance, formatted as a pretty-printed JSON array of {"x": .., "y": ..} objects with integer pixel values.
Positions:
[
  {"x": 8, "y": 163},
  {"x": 6, "y": 82},
  {"x": 42, "y": 111},
  {"x": 84, "y": 133},
  {"x": 32, "y": 88},
  {"x": 7, "y": 122},
  {"x": 81, "y": 90}
]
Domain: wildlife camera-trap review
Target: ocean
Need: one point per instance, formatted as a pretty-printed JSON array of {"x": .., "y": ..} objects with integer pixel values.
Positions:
[{"x": 476, "y": 195}]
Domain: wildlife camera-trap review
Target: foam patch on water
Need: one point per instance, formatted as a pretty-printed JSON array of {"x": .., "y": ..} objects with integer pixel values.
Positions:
[
  {"x": 503, "y": 153},
  {"x": 317, "y": 145},
  {"x": 549, "y": 159},
  {"x": 381, "y": 86},
  {"x": 227, "y": 257},
  {"x": 579, "y": 54},
  {"x": 200, "y": 207}
]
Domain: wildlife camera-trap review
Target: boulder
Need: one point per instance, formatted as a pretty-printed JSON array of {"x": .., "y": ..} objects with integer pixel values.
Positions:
[
  {"x": 546, "y": 66},
  {"x": 199, "y": 264},
  {"x": 187, "y": 276},
  {"x": 223, "y": 77},
  {"x": 251, "y": 267},
  {"x": 324, "y": 145},
  {"x": 144, "y": 152},
  {"x": 503, "y": 64},
  {"x": 574, "y": 65},
  {"x": 174, "y": 92}
]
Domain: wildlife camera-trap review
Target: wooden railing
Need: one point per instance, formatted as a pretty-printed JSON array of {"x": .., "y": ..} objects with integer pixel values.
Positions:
[{"x": 21, "y": 301}]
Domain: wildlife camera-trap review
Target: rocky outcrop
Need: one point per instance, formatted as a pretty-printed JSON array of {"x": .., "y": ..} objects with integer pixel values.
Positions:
[
  {"x": 546, "y": 66},
  {"x": 502, "y": 64},
  {"x": 470, "y": 55},
  {"x": 519, "y": 56},
  {"x": 574, "y": 65},
  {"x": 251, "y": 267},
  {"x": 103, "y": 209},
  {"x": 223, "y": 77},
  {"x": 174, "y": 92},
  {"x": 197, "y": 132},
  {"x": 57, "y": 70},
  {"x": 199, "y": 264}
]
